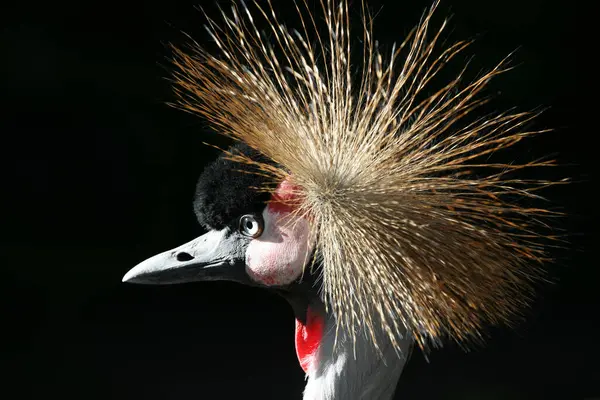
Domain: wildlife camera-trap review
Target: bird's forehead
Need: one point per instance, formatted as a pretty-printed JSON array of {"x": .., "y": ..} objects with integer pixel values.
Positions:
[{"x": 227, "y": 189}]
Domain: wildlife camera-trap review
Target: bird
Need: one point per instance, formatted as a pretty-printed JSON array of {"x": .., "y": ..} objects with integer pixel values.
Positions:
[{"x": 365, "y": 200}]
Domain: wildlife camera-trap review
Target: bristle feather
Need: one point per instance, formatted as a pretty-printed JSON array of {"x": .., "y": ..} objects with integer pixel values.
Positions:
[{"x": 406, "y": 235}]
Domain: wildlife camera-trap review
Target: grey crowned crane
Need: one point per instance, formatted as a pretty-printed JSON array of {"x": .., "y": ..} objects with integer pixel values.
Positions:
[
  {"x": 361, "y": 197},
  {"x": 250, "y": 242}
]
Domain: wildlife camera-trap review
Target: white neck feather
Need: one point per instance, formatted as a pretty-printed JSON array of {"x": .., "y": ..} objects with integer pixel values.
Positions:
[{"x": 367, "y": 376}]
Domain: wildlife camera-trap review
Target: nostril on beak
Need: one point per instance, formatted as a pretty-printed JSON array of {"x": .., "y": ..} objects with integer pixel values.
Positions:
[{"x": 183, "y": 256}]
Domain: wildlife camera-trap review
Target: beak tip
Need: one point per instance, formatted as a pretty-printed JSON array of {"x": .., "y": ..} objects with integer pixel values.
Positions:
[{"x": 129, "y": 277}]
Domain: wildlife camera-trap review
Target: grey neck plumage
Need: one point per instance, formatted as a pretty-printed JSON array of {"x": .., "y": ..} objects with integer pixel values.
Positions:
[{"x": 352, "y": 373}]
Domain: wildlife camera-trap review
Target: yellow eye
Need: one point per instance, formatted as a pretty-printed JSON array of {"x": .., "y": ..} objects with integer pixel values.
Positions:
[{"x": 251, "y": 226}]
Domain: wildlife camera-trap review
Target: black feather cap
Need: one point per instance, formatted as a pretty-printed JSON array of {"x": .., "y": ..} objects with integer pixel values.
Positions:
[{"x": 226, "y": 190}]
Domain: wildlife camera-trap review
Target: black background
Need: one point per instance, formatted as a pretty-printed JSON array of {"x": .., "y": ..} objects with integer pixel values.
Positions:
[{"x": 100, "y": 175}]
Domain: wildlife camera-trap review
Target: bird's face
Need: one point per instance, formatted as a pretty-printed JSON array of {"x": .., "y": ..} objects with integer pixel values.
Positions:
[
  {"x": 266, "y": 248},
  {"x": 252, "y": 238}
]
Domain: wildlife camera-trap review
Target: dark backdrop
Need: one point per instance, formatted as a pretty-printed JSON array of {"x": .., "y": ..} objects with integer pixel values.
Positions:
[{"x": 100, "y": 175}]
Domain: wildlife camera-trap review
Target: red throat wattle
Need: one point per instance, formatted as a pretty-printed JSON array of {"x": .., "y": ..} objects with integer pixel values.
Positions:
[
  {"x": 308, "y": 339},
  {"x": 310, "y": 333}
]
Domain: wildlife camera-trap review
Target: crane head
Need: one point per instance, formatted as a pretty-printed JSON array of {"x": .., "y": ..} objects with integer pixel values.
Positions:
[
  {"x": 414, "y": 228},
  {"x": 253, "y": 238}
]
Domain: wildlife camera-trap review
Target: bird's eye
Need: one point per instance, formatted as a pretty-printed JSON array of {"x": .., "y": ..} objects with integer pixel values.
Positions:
[{"x": 251, "y": 226}]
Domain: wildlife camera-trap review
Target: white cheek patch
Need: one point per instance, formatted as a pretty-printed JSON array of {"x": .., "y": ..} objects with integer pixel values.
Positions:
[{"x": 278, "y": 256}]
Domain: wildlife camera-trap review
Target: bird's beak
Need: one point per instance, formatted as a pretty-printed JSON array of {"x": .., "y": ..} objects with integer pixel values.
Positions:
[{"x": 216, "y": 255}]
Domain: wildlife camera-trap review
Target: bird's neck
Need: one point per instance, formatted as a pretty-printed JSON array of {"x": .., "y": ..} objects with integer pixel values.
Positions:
[{"x": 346, "y": 371}]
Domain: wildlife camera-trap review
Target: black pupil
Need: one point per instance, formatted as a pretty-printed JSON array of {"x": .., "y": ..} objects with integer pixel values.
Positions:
[{"x": 249, "y": 224}]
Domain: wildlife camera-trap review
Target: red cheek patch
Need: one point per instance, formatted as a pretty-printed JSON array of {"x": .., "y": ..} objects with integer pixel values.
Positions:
[
  {"x": 278, "y": 256},
  {"x": 284, "y": 198}
]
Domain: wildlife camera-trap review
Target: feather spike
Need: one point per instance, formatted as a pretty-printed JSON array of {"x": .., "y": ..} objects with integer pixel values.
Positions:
[{"x": 414, "y": 225}]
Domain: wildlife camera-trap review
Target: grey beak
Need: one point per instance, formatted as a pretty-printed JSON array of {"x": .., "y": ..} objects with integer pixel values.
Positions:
[{"x": 216, "y": 255}]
